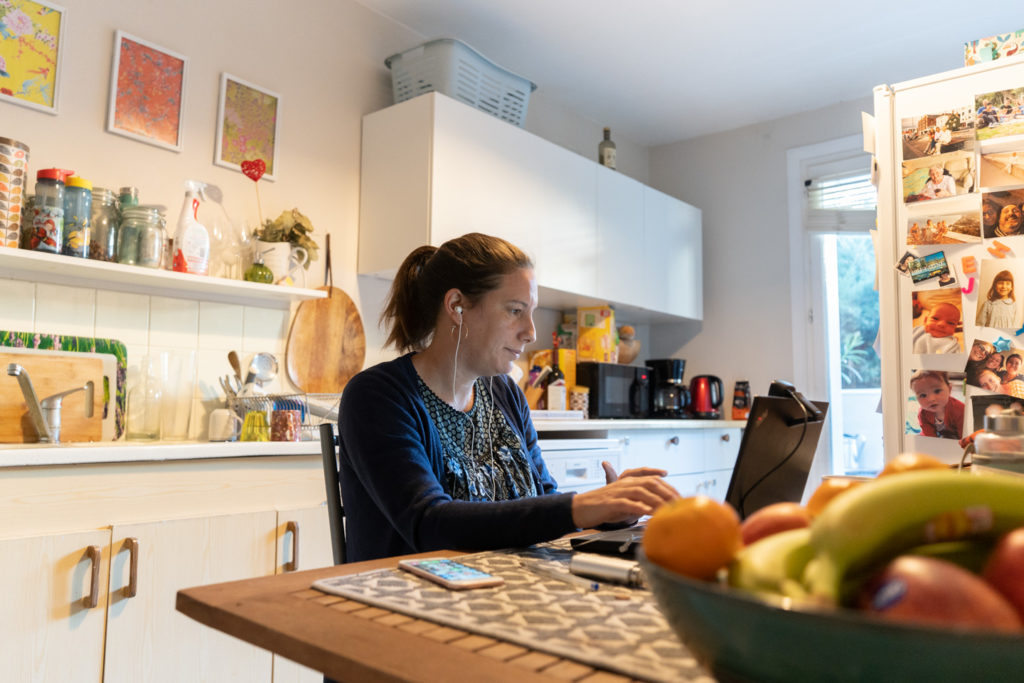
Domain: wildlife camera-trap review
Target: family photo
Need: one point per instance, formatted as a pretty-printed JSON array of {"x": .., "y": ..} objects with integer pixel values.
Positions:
[
  {"x": 948, "y": 229},
  {"x": 993, "y": 370},
  {"x": 1001, "y": 213},
  {"x": 1000, "y": 113},
  {"x": 933, "y": 134}
]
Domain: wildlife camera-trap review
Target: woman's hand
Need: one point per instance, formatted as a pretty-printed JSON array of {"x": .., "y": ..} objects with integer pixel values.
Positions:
[{"x": 626, "y": 498}]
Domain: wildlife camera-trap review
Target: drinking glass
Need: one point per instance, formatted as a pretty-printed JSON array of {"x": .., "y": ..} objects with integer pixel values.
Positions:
[{"x": 144, "y": 401}]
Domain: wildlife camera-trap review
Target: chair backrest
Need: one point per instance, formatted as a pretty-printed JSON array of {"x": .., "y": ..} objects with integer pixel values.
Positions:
[{"x": 335, "y": 510}]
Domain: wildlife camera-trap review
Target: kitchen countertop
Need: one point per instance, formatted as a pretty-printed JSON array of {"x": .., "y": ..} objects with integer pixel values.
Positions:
[
  {"x": 604, "y": 425},
  {"x": 22, "y": 455},
  {"x": 31, "y": 455}
]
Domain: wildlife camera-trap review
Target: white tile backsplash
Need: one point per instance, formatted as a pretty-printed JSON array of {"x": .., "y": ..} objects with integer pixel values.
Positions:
[
  {"x": 18, "y": 311},
  {"x": 65, "y": 310},
  {"x": 265, "y": 329},
  {"x": 123, "y": 316},
  {"x": 173, "y": 323},
  {"x": 220, "y": 326}
]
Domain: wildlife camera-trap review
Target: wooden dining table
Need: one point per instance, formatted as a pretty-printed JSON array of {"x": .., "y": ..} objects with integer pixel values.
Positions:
[{"x": 352, "y": 641}]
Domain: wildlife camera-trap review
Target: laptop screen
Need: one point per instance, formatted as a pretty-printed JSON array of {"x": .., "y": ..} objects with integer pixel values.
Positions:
[{"x": 775, "y": 454}]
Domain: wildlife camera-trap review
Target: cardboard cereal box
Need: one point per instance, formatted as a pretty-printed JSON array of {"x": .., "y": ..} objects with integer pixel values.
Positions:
[{"x": 595, "y": 335}]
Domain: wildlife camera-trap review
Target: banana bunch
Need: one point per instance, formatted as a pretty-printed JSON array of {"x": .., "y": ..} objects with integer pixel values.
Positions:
[{"x": 866, "y": 526}]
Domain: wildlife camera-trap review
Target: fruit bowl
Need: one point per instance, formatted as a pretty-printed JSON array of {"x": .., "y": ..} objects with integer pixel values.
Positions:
[{"x": 740, "y": 637}]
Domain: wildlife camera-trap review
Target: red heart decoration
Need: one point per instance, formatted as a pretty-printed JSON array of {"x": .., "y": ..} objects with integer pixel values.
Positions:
[{"x": 254, "y": 169}]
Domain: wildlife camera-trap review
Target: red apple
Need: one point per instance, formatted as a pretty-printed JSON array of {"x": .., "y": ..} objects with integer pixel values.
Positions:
[
  {"x": 914, "y": 589},
  {"x": 771, "y": 519},
  {"x": 1005, "y": 569}
]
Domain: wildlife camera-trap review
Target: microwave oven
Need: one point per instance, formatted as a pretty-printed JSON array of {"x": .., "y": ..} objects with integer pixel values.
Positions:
[{"x": 616, "y": 391}]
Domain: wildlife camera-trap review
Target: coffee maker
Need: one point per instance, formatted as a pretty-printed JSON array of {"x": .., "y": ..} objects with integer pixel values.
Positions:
[{"x": 669, "y": 396}]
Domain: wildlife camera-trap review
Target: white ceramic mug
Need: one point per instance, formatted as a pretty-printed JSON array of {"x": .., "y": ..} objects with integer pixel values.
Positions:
[
  {"x": 283, "y": 259},
  {"x": 224, "y": 425}
]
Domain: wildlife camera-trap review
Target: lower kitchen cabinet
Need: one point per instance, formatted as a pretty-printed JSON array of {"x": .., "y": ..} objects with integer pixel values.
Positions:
[
  {"x": 147, "y": 639},
  {"x": 300, "y": 542},
  {"x": 54, "y": 606},
  {"x": 267, "y": 514}
]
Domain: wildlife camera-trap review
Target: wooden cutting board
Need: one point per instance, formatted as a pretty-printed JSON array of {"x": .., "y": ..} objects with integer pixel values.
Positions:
[
  {"x": 326, "y": 343},
  {"x": 51, "y": 375}
]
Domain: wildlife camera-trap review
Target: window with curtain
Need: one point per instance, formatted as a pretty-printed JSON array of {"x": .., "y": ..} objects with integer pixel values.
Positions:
[{"x": 839, "y": 212}]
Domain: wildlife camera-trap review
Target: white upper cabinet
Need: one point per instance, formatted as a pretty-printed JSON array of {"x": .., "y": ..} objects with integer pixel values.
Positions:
[
  {"x": 672, "y": 238},
  {"x": 434, "y": 168}
]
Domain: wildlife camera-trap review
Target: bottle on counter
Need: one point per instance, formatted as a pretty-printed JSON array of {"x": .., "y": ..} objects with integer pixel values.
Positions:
[
  {"x": 77, "y": 217},
  {"x": 103, "y": 225},
  {"x": 555, "y": 391},
  {"x": 192, "y": 239},
  {"x": 48, "y": 210},
  {"x": 606, "y": 150}
]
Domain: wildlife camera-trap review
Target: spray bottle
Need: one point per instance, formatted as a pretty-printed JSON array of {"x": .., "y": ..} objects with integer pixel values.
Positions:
[{"x": 192, "y": 239}]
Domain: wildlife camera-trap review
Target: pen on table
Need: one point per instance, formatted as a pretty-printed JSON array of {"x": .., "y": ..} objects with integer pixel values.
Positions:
[{"x": 566, "y": 577}]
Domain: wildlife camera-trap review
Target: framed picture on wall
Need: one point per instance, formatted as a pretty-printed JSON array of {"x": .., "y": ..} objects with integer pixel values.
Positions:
[
  {"x": 31, "y": 52},
  {"x": 147, "y": 92},
  {"x": 247, "y": 125}
]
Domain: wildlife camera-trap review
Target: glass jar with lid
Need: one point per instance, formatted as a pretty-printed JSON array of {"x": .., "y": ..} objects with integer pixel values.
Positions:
[
  {"x": 103, "y": 228},
  {"x": 77, "y": 217},
  {"x": 1001, "y": 445},
  {"x": 144, "y": 226}
]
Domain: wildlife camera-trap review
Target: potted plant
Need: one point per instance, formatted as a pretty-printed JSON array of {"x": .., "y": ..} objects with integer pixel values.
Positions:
[{"x": 283, "y": 241}]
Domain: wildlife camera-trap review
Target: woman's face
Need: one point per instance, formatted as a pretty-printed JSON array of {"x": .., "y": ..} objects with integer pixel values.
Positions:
[
  {"x": 500, "y": 324},
  {"x": 1009, "y": 218},
  {"x": 978, "y": 352},
  {"x": 989, "y": 214},
  {"x": 994, "y": 361},
  {"x": 1013, "y": 365},
  {"x": 935, "y": 174}
]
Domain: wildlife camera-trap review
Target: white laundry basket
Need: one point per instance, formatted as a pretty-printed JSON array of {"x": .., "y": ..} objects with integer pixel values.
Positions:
[{"x": 451, "y": 67}]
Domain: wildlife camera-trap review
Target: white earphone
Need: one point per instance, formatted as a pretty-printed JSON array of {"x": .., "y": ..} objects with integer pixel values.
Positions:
[{"x": 458, "y": 309}]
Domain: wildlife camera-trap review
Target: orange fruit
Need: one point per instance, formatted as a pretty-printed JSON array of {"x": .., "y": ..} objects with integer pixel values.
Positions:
[
  {"x": 907, "y": 462},
  {"x": 693, "y": 536},
  {"x": 829, "y": 489}
]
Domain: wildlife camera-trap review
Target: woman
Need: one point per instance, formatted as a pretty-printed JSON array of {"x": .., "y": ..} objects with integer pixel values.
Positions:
[
  {"x": 989, "y": 217},
  {"x": 437, "y": 446}
]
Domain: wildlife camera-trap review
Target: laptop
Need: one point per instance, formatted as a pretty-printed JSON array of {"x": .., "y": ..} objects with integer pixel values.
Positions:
[{"x": 772, "y": 465}]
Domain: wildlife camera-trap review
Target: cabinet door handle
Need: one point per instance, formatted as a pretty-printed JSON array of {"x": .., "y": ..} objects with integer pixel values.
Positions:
[
  {"x": 674, "y": 441},
  {"x": 293, "y": 527},
  {"x": 725, "y": 437},
  {"x": 94, "y": 555},
  {"x": 132, "y": 588}
]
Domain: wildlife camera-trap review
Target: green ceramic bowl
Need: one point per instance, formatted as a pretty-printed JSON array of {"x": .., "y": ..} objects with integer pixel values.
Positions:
[{"x": 742, "y": 638}]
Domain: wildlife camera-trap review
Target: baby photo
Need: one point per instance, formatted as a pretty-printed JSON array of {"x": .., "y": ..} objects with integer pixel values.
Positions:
[
  {"x": 1001, "y": 213},
  {"x": 937, "y": 321},
  {"x": 928, "y": 266},
  {"x": 997, "y": 297},
  {"x": 938, "y": 177},
  {"x": 1001, "y": 169},
  {"x": 935, "y": 404},
  {"x": 1000, "y": 113},
  {"x": 948, "y": 229},
  {"x": 933, "y": 134}
]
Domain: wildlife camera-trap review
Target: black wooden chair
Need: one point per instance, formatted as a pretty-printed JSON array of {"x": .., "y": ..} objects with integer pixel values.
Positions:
[{"x": 335, "y": 509}]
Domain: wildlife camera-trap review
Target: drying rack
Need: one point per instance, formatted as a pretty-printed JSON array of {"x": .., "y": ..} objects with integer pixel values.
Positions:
[{"x": 315, "y": 409}]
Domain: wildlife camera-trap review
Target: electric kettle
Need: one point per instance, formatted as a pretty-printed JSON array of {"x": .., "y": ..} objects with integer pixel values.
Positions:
[{"x": 706, "y": 397}]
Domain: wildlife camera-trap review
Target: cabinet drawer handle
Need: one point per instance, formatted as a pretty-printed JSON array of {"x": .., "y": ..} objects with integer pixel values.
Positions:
[
  {"x": 725, "y": 437},
  {"x": 133, "y": 567},
  {"x": 92, "y": 599},
  {"x": 293, "y": 527},
  {"x": 674, "y": 441}
]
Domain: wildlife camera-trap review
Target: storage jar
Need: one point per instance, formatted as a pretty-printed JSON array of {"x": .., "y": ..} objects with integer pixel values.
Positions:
[
  {"x": 77, "y": 215},
  {"x": 103, "y": 228}
]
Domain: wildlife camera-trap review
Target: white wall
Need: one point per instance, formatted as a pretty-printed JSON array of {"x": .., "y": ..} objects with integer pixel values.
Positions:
[
  {"x": 326, "y": 60},
  {"x": 738, "y": 180}
]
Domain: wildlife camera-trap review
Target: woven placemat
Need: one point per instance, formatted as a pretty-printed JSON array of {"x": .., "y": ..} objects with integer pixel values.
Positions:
[{"x": 619, "y": 629}]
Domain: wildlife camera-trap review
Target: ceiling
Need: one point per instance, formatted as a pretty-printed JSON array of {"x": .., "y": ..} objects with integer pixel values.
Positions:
[{"x": 660, "y": 71}]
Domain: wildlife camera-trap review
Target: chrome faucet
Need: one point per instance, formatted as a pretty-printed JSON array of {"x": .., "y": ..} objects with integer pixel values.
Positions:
[{"x": 45, "y": 414}]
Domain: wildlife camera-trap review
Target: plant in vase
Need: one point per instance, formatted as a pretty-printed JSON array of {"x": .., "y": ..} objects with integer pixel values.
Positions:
[{"x": 284, "y": 240}]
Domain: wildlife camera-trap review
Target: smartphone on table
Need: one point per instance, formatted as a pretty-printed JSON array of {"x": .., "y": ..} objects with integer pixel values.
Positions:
[{"x": 450, "y": 574}]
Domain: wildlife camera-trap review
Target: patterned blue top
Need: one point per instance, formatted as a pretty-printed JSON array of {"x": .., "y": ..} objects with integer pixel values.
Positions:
[{"x": 483, "y": 458}]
